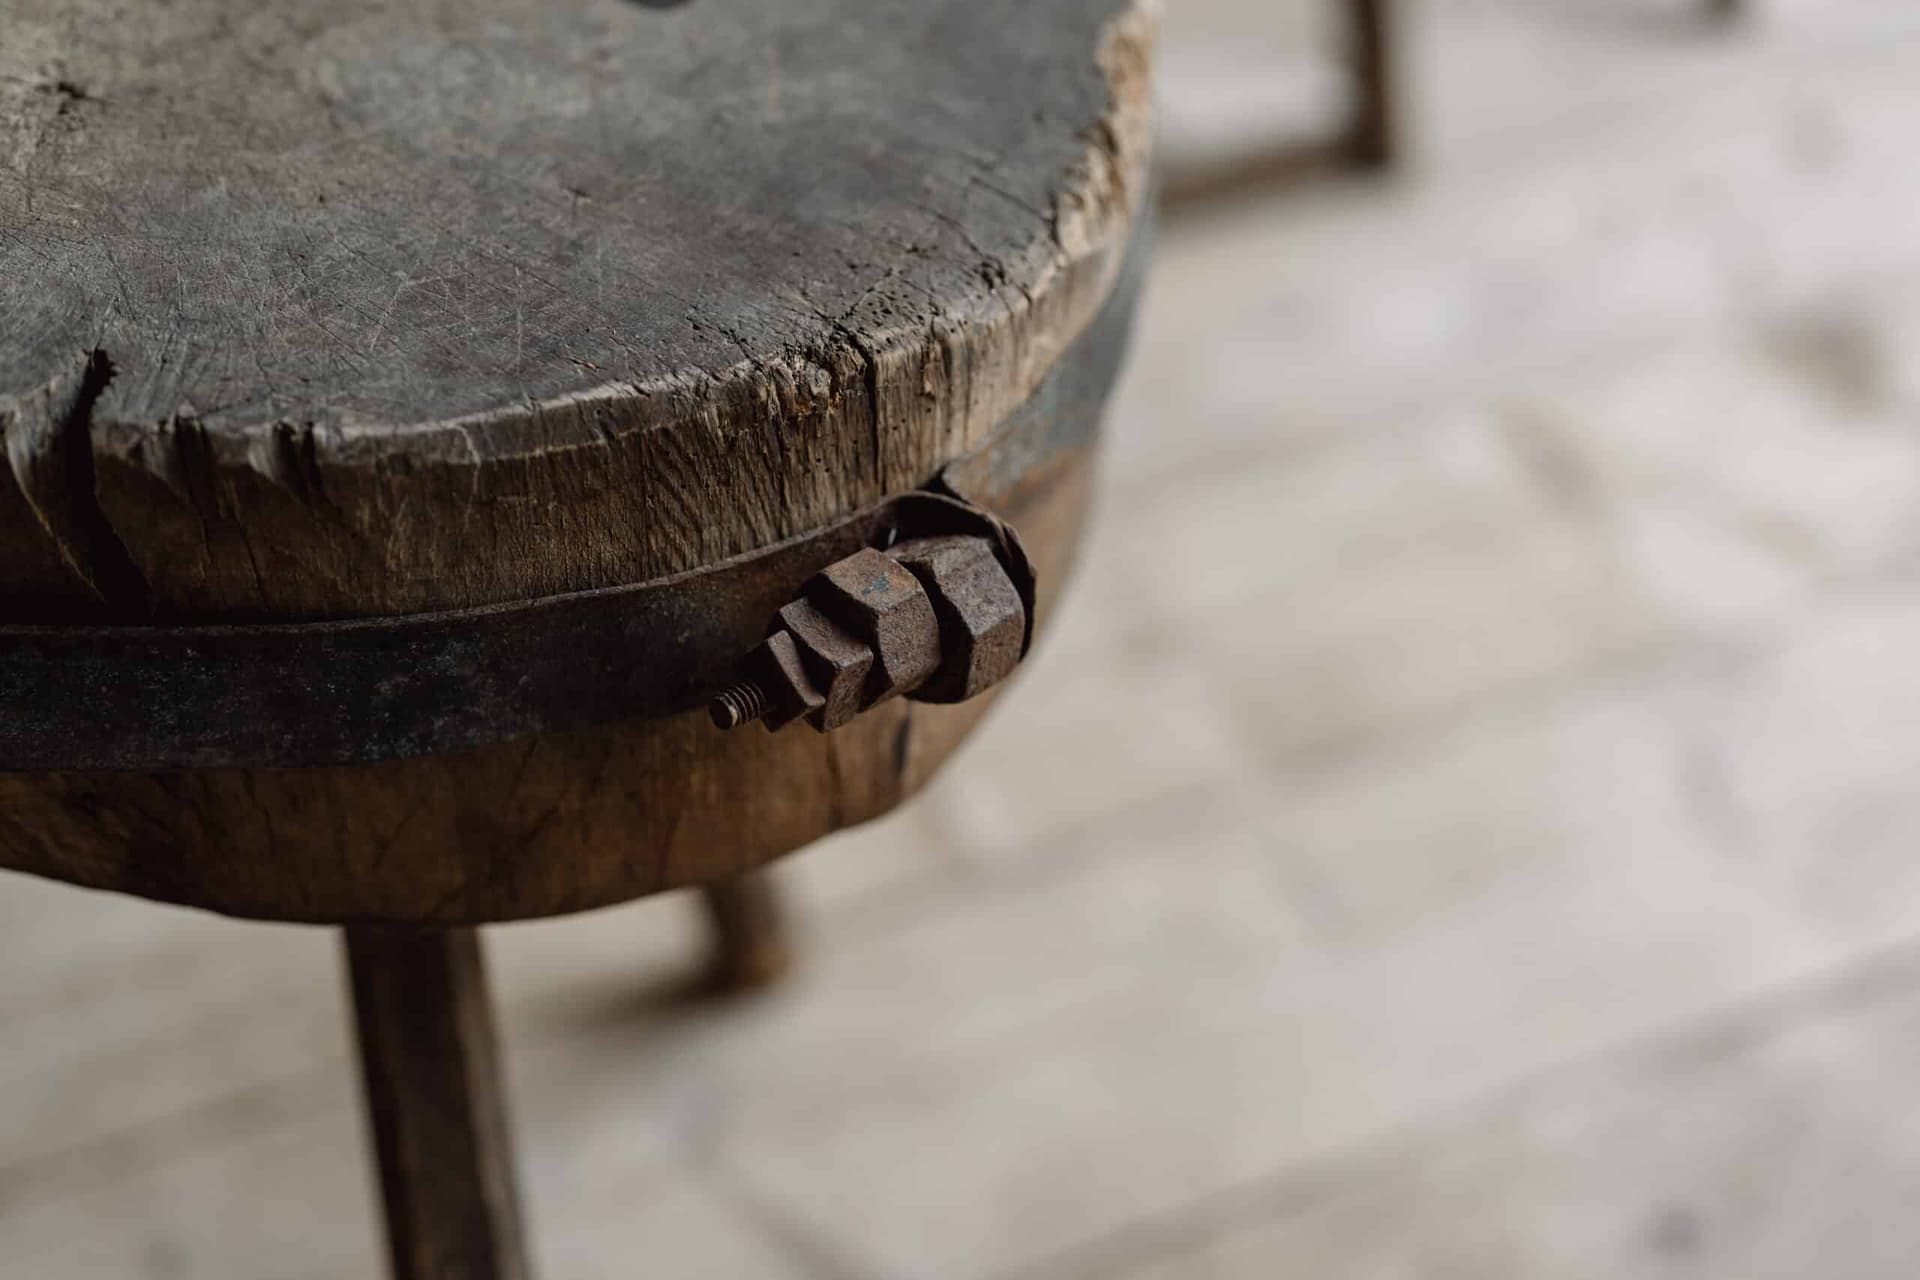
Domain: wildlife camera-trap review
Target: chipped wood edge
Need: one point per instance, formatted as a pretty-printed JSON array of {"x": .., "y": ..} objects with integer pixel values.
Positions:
[{"x": 181, "y": 518}]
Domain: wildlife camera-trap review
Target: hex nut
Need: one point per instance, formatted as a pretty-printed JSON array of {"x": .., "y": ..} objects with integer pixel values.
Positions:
[
  {"x": 837, "y": 661},
  {"x": 782, "y": 677},
  {"x": 872, "y": 596},
  {"x": 983, "y": 621}
]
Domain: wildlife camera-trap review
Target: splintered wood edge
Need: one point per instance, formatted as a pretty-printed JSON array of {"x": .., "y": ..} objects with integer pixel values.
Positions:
[{"x": 290, "y": 520}]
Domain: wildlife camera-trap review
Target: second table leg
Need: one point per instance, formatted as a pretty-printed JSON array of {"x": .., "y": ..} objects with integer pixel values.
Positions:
[{"x": 751, "y": 946}]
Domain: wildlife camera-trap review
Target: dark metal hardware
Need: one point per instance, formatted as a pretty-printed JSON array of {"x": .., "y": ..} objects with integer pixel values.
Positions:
[
  {"x": 936, "y": 618},
  {"x": 298, "y": 694},
  {"x": 281, "y": 695}
]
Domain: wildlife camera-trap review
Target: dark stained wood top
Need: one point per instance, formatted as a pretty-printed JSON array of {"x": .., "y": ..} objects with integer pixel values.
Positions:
[{"x": 409, "y": 306}]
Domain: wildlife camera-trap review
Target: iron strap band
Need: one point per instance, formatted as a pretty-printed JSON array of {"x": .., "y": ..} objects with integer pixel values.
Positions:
[
  {"x": 280, "y": 695},
  {"x": 362, "y": 690}
]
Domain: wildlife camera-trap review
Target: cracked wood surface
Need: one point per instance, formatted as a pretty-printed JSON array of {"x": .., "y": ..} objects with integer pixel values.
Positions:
[
  {"x": 547, "y": 825},
  {"x": 333, "y": 311},
  {"x": 372, "y": 308}
]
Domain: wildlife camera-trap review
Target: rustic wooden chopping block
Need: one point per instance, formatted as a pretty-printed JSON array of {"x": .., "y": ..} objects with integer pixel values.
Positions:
[{"x": 409, "y": 410}]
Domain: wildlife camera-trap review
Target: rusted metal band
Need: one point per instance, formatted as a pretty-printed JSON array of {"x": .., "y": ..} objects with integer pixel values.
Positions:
[
  {"x": 302, "y": 694},
  {"x": 387, "y": 688}
]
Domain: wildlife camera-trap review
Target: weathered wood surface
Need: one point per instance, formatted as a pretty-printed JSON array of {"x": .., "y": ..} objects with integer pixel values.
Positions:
[
  {"x": 88, "y": 696},
  {"x": 565, "y": 821},
  {"x": 436, "y": 1105},
  {"x": 551, "y": 824},
  {"x": 346, "y": 308},
  {"x": 340, "y": 312}
]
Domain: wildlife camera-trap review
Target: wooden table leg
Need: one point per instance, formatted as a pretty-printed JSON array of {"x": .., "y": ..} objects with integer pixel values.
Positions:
[
  {"x": 1371, "y": 137},
  {"x": 434, "y": 1100},
  {"x": 750, "y": 941}
]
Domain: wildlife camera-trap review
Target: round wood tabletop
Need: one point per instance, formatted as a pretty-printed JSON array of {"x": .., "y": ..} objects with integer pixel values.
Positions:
[
  {"x": 346, "y": 309},
  {"x": 366, "y": 308}
]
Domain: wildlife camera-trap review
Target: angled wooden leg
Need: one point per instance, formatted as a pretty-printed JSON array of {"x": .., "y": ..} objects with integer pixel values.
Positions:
[
  {"x": 434, "y": 1100},
  {"x": 750, "y": 942},
  {"x": 1372, "y": 136}
]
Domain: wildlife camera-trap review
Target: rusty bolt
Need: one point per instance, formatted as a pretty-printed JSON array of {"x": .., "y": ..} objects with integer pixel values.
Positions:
[
  {"x": 872, "y": 596},
  {"x": 937, "y": 618},
  {"x": 836, "y": 660},
  {"x": 982, "y": 620}
]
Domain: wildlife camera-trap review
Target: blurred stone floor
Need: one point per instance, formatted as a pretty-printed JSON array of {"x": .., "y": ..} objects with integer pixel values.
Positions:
[{"x": 1464, "y": 827}]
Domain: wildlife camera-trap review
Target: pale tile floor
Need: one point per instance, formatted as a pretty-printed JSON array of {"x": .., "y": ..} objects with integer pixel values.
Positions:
[{"x": 1463, "y": 828}]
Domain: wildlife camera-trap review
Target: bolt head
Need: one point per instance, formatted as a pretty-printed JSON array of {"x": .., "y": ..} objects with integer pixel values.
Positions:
[
  {"x": 983, "y": 621},
  {"x": 781, "y": 675},
  {"x": 870, "y": 595},
  {"x": 837, "y": 661}
]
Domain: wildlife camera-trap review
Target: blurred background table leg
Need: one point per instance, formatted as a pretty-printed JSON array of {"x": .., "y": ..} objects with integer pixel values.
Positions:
[
  {"x": 751, "y": 946},
  {"x": 1371, "y": 143}
]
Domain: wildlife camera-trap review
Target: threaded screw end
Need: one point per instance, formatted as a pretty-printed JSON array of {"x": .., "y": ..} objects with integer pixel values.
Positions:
[{"x": 737, "y": 705}]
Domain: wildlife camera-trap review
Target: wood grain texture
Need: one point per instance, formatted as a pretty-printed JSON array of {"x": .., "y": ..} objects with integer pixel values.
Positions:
[
  {"x": 343, "y": 312},
  {"x": 444, "y": 304},
  {"x": 548, "y": 825},
  {"x": 436, "y": 1104}
]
